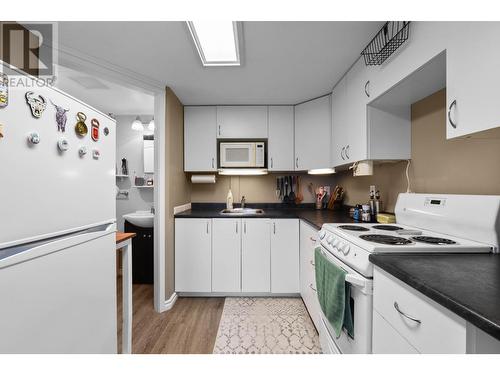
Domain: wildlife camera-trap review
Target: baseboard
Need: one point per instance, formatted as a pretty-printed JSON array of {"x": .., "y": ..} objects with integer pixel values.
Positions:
[
  {"x": 169, "y": 303},
  {"x": 238, "y": 294}
]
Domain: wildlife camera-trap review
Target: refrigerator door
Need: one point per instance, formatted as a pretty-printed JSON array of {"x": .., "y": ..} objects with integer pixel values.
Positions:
[
  {"x": 60, "y": 296},
  {"x": 45, "y": 191}
]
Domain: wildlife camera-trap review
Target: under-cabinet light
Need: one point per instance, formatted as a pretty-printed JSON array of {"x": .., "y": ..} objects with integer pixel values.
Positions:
[
  {"x": 243, "y": 172},
  {"x": 216, "y": 41},
  {"x": 137, "y": 124},
  {"x": 321, "y": 171}
]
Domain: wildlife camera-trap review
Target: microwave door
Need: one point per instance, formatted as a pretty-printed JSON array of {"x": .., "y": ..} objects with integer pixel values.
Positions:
[{"x": 237, "y": 155}]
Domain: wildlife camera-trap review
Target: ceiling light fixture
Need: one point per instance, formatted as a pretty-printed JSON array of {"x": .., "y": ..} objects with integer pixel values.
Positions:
[
  {"x": 243, "y": 171},
  {"x": 321, "y": 171},
  {"x": 137, "y": 125},
  {"x": 217, "y": 42},
  {"x": 151, "y": 125}
]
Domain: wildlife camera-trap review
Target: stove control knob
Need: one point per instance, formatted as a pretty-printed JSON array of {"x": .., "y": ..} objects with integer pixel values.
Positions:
[
  {"x": 329, "y": 240},
  {"x": 322, "y": 234},
  {"x": 346, "y": 249},
  {"x": 335, "y": 243}
]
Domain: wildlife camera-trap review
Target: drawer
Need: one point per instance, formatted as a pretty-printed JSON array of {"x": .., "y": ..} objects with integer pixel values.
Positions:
[
  {"x": 439, "y": 330},
  {"x": 386, "y": 340}
]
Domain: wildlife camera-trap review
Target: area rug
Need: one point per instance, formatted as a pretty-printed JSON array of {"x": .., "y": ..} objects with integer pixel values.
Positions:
[{"x": 266, "y": 326}]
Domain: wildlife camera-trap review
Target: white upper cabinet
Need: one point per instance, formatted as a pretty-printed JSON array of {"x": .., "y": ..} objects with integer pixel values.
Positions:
[
  {"x": 473, "y": 78},
  {"x": 340, "y": 130},
  {"x": 281, "y": 139},
  {"x": 313, "y": 126},
  {"x": 240, "y": 122},
  {"x": 200, "y": 142}
]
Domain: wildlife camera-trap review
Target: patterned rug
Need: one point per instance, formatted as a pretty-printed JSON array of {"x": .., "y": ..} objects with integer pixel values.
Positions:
[{"x": 266, "y": 326}]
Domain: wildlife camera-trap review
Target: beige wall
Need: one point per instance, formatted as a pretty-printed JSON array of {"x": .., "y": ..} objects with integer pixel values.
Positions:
[
  {"x": 461, "y": 166},
  {"x": 458, "y": 166},
  {"x": 177, "y": 185}
]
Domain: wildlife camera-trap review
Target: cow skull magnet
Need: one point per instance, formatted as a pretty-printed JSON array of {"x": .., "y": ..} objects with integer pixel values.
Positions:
[
  {"x": 61, "y": 117},
  {"x": 37, "y": 104}
]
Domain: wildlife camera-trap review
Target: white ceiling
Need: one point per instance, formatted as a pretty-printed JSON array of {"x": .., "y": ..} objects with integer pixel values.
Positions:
[
  {"x": 106, "y": 96},
  {"x": 283, "y": 62}
]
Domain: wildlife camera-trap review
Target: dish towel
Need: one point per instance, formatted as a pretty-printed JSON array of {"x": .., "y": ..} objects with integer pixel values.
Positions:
[{"x": 334, "y": 294}]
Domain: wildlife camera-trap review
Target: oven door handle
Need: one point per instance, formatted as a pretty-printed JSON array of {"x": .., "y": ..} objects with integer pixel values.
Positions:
[{"x": 355, "y": 280}]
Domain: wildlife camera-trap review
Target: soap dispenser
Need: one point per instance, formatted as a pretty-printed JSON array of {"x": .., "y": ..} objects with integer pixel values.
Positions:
[{"x": 229, "y": 200}]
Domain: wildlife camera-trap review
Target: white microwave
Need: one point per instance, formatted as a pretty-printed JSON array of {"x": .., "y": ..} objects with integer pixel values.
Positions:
[{"x": 242, "y": 154}]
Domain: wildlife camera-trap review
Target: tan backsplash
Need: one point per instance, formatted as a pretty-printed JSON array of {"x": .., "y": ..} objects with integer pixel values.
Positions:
[{"x": 459, "y": 166}]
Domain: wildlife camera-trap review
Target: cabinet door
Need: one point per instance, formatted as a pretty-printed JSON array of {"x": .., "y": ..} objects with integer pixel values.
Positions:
[
  {"x": 358, "y": 87},
  {"x": 200, "y": 143},
  {"x": 340, "y": 131},
  {"x": 313, "y": 126},
  {"x": 281, "y": 139},
  {"x": 226, "y": 255},
  {"x": 256, "y": 257},
  {"x": 285, "y": 256},
  {"x": 386, "y": 340},
  {"x": 242, "y": 122},
  {"x": 193, "y": 255},
  {"x": 472, "y": 78}
]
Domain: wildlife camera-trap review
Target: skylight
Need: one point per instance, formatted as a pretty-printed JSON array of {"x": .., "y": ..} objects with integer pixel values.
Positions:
[{"x": 216, "y": 41}]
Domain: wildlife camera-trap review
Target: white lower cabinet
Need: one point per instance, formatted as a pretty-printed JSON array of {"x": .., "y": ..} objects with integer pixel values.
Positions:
[
  {"x": 285, "y": 256},
  {"x": 425, "y": 325},
  {"x": 226, "y": 255},
  {"x": 386, "y": 340},
  {"x": 308, "y": 236},
  {"x": 256, "y": 256},
  {"x": 193, "y": 255}
]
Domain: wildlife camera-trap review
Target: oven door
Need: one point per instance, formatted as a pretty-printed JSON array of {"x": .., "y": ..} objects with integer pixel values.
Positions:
[
  {"x": 361, "y": 308},
  {"x": 237, "y": 155}
]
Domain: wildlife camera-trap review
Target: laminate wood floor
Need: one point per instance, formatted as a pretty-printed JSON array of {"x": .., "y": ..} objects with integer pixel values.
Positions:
[{"x": 190, "y": 327}]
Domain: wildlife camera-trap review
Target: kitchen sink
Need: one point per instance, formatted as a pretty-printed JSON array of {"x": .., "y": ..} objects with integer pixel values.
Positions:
[
  {"x": 242, "y": 211},
  {"x": 143, "y": 219}
]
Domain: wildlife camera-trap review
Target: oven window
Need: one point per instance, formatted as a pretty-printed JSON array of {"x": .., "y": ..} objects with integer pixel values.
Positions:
[
  {"x": 351, "y": 304},
  {"x": 241, "y": 154}
]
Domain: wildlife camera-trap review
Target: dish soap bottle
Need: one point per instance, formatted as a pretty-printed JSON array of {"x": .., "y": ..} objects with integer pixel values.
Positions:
[{"x": 229, "y": 200}]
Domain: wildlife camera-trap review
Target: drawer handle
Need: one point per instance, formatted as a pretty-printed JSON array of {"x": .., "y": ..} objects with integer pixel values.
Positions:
[
  {"x": 311, "y": 286},
  {"x": 312, "y": 239},
  {"x": 396, "y": 306}
]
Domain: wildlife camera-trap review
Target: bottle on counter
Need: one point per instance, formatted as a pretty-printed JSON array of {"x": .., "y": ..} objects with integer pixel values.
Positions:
[
  {"x": 366, "y": 213},
  {"x": 229, "y": 200},
  {"x": 378, "y": 204}
]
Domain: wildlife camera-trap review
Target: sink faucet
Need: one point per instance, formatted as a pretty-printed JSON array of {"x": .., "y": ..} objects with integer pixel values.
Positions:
[
  {"x": 152, "y": 209},
  {"x": 243, "y": 201}
]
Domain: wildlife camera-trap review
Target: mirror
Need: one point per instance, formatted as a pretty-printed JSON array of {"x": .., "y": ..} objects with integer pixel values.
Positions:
[{"x": 149, "y": 154}]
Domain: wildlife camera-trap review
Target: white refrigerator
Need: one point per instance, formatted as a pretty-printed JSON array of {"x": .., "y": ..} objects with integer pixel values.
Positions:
[{"x": 57, "y": 223}]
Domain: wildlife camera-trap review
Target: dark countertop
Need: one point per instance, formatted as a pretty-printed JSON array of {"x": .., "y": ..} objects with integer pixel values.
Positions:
[
  {"x": 467, "y": 284},
  {"x": 312, "y": 216}
]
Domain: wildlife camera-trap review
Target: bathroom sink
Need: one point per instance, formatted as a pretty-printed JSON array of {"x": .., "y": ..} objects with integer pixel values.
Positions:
[
  {"x": 143, "y": 219},
  {"x": 242, "y": 211}
]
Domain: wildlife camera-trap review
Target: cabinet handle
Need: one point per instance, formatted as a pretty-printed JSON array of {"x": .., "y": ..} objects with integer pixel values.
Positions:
[
  {"x": 296, "y": 162},
  {"x": 366, "y": 86},
  {"x": 396, "y": 306},
  {"x": 271, "y": 162},
  {"x": 207, "y": 226},
  {"x": 312, "y": 263},
  {"x": 312, "y": 239},
  {"x": 213, "y": 162},
  {"x": 274, "y": 228},
  {"x": 342, "y": 153},
  {"x": 311, "y": 286},
  {"x": 236, "y": 227},
  {"x": 219, "y": 129},
  {"x": 346, "y": 149},
  {"x": 245, "y": 227},
  {"x": 453, "y": 104}
]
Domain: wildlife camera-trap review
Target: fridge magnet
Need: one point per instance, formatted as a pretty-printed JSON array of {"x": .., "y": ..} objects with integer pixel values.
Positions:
[
  {"x": 62, "y": 144},
  {"x": 4, "y": 90},
  {"x": 34, "y": 138},
  {"x": 1, "y": 131},
  {"x": 94, "y": 130},
  {"x": 96, "y": 154},
  {"x": 106, "y": 131},
  {"x": 80, "y": 127},
  {"x": 61, "y": 117},
  {"x": 82, "y": 151},
  {"x": 36, "y": 103}
]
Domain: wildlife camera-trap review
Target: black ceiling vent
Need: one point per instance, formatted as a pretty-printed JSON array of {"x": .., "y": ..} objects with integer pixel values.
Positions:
[{"x": 392, "y": 35}]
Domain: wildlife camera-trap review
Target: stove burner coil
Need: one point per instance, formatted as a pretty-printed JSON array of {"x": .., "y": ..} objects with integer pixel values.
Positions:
[
  {"x": 384, "y": 239},
  {"x": 387, "y": 227},
  {"x": 355, "y": 228},
  {"x": 433, "y": 240}
]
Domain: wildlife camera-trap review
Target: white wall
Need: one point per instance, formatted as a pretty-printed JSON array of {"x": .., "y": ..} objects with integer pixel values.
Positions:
[{"x": 129, "y": 145}]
